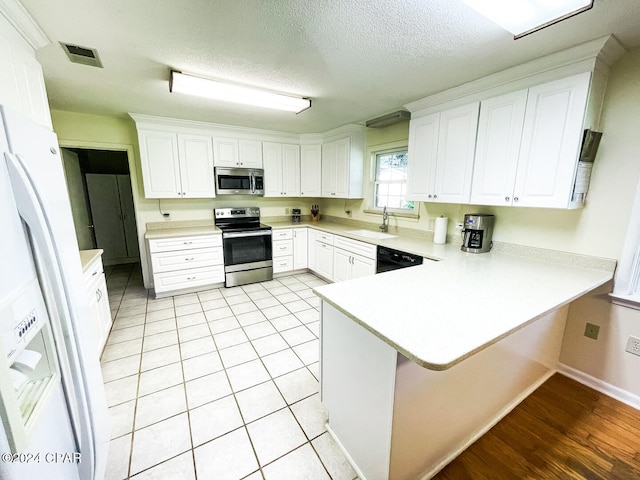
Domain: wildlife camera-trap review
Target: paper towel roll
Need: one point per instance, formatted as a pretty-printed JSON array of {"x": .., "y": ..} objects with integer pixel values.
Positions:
[{"x": 440, "y": 232}]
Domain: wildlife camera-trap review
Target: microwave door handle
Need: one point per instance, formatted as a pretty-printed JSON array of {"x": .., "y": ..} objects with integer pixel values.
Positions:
[
  {"x": 253, "y": 183},
  {"x": 247, "y": 234}
]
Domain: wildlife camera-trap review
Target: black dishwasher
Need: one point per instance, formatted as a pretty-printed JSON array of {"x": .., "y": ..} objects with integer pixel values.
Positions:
[{"x": 389, "y": 259}]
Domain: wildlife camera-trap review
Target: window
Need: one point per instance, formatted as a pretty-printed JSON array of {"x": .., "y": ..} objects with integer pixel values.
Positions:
[
  {"x": 626, "y": 289},
  {"x": 390, "y": 187}
]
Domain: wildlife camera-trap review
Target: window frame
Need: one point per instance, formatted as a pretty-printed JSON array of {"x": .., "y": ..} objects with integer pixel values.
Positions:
[
  {"x": 626, "y": 289},
  {"x": 388, "y": 149}
]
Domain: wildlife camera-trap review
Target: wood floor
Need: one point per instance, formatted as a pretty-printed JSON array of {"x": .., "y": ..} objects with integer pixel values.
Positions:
[{"x": 564, "y": 430}]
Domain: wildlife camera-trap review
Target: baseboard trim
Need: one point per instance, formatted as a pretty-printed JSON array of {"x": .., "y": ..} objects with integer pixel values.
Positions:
[
  {"x": 600, "y": 385},
  {"x": 345, "y": 453}
]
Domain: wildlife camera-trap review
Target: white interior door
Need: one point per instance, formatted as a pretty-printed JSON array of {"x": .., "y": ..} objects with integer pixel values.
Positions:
[
  {"x": 104, "y": 201},
  {"x": 128, "y": 215}
]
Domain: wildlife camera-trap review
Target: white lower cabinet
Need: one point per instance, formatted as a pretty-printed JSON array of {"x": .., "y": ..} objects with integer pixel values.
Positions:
[
  {"x": 324, "y": 255},
  {"x": 352, "y": 259},
  {"x": 96, "y": 286},
  {"x": 312, "y": 236},
  {"x": 186, "y": 262},
  {"x": 289, "y": 249}
]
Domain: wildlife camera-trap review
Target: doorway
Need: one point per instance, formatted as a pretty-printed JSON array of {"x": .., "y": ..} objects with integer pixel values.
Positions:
[{"x": 99, "y": 185}]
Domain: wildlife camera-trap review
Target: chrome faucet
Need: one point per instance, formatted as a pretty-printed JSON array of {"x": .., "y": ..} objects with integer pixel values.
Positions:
[{"x": 385, "y": 220}]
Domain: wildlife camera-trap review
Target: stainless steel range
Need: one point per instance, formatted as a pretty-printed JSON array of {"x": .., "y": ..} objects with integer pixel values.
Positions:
[{"x": 247, "y": 245}]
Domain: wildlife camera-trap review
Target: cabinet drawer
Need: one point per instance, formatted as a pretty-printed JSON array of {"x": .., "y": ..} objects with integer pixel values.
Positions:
[
  {"x": 282, "y": 248},
  {"x": 325, "y": 237},
  {"x": 92, "y": 275},
  {"x": 355, "y": 246},
  {"x": 283, "y": 264},
  {"x": 284, "y": 234},
  {"x": 184, "y": 259},
  {"x": 195, "y": 277},
  {"x": 184, "y": 243}
]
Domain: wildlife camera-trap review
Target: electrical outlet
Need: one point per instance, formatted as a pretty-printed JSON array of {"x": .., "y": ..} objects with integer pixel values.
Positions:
[
  {"x": 591, "y": 331},
  {"x": 633, "y": 345}
]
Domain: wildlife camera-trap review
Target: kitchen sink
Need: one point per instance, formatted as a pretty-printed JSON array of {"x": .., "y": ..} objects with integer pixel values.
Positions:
[{"x": 371, "y": 234}]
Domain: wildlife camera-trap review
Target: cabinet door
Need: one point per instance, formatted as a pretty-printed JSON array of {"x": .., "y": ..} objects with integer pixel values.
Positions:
[
  {"x": 291, "y": 170},
  {"x": 94, "y": 329},
  {"x": 423, "y": 149},
  {"x": 329, "y": 157},
  {"x": 343, "y": 148},
  {"x": 225, "y": 152},
  {"x": 310, "y": 171},
  {"x": 160, "y": 164},
  {"x": 342, "y": 265},
  {"x": 300, "y": 248},
  {"x": 196, "y": 166},
  {"x": 551, "y": 141},
  {"x": 497, "y": 149},
  {"x": 250, "y": 153},
  {"x": 324, "y": 260},
  {"x": 312, "y": 235},
  {"x": 456, "y": 148},
  {"x": 272, "y": 159},
  {"x": 362, "y": 266},
  {"x": 104, "y": 312}
]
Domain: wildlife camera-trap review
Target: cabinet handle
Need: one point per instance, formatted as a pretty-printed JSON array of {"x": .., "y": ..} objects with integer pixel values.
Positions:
[
  {"x": 191, "y": 278},
  {"x": 99, "y": 294},
  {"x": 435, "y": 196},
  {"x": 189, "y": 259},
  {"x": 333, "y": 194},
  {"x": 94, "y": 273},
  {"x": 506, "y": 199},
  {"x": 187, "y": 243},
  {"x": 515, "y": 199},
  {"x": 429, "y": 196}
]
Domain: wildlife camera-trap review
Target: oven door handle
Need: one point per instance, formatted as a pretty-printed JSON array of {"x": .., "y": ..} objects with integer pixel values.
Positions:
[{"x": 247, "y": 234}]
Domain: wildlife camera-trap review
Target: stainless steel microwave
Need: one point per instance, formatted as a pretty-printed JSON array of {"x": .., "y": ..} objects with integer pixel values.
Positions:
[{"x": 239, "y": 181}]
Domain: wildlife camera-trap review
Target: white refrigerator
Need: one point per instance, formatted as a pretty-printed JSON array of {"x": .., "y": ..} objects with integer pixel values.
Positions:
[{"x": 52, "y": 399}]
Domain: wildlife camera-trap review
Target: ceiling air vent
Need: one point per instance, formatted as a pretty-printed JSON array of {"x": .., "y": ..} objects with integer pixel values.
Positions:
[
  {"x": 389, "y": 119},
  {"x": 83, "y": 55}
]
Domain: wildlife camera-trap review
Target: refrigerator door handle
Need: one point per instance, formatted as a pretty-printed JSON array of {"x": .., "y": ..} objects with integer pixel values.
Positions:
[{"x": 34, "y": 215}]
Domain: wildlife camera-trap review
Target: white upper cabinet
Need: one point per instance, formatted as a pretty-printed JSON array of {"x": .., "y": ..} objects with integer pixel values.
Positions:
[
  {"x": 196, "y": 166},
  {"x": 231, "y": 152},
  {"x": 456, "y": 148},
  {"x": 281, "y": 169},
  {"x": 441, "y": 150},
  {"x": 310, "y": 170},
  {"x": 423, "y": 149},
  {"x": 551, "y": 142},
  {"x": 225, "y": 152},
  {"x": 176, "y": 165},
  {"x": 250, "y": 153},
  {"x": 342, "y": 166},
  {"x": 497, "y": 149},
  {"x": 21, "y": 80}
]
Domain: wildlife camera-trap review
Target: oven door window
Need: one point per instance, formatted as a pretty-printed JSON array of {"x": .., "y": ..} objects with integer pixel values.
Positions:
[
  {"x": 234, "y": 182},
  {"x": 247, "y": 249}
]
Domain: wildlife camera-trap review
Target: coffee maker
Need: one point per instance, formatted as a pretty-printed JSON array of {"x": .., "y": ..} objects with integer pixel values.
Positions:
[{"x": 477, "y": 232}]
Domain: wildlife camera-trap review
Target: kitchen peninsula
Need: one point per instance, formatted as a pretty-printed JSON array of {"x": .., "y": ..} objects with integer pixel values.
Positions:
[{"x": 418, "y": 363}]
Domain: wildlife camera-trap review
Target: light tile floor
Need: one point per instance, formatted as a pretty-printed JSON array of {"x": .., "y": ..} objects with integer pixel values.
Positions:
[{"x": 222, "y": 384}]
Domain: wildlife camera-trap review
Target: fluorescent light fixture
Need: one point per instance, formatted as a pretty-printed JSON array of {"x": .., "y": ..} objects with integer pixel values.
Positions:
[
  {"x": 203, "y": 87},
  {"x": 522, "y": 17}
]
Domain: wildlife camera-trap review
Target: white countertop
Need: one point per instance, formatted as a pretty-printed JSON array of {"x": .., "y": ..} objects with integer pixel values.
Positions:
[
  {"x": 440, "y": 313},
  {"x": 87, "y": 257}
]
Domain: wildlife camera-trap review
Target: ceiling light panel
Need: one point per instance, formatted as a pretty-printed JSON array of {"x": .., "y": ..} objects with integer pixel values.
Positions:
[
  {"x": 203, "y": 87},
  {"x": 523, "y": 16}
]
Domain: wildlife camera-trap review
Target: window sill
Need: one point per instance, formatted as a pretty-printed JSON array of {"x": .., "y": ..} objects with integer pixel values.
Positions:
[
  {"x": 625, "y": 300},
  {"x": 394, "y": 213}
]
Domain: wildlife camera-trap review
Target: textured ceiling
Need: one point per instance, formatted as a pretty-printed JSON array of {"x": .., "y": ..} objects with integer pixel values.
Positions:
[{"x": 357, "y": 59}]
